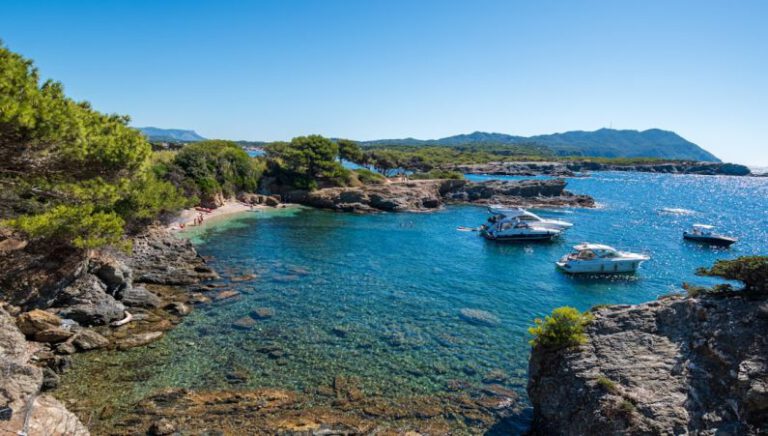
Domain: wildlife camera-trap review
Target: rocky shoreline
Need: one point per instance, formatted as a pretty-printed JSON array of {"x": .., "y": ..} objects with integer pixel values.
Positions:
[
  {"x": 573, "y": 168},
  {"x": 672, "y": 366},
  {"x": 66, "y": 302},
  {"x": 426, "y": 195}
]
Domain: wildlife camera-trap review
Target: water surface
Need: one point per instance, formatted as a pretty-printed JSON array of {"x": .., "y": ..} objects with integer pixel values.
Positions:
[{"x": 379, "y": 296}]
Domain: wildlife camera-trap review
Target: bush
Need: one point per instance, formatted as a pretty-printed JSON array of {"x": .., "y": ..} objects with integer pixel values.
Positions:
[
  {"x": 750, "y": 270},
  {"x": 368, "y": 177},
  {"x": 437, "y": 174},
  {"x": 563, "y": 328}
]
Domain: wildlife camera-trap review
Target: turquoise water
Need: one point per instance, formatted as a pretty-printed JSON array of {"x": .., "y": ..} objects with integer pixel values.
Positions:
[{"x": 379, "y": 296}]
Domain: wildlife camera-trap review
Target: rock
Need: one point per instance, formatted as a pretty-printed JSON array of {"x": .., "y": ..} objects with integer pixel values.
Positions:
[
  {"x": 263, "y": 313},
  {"x": 272, "y": 201},
  {"x": 670, "y": 370},
  {"x": 53, "y": 335},
  {"x": 138, "y": 340},
  {"x": 162, "y": 427},
  {"x": 244, "y": 277},
  {"x": 20, "y": 381},
  {"x": 161, "y": 258},
  {"x": 198, "y": 298},
  {"x": 115, "y": 274},
  {"x": 36, "y": 321},
  {"x": 50, "y": 379},
  {"x": 244, "y": 323},
  {"x": 479, "y": 317},
  {"x": 65, "y": 348},
  {"x": 86, "y": 301},
  {"x": 178, "y": 309},
  {"x": 89, "y": 340},
  {"x": 140, "y": 297},
  {"x": 225, "y": 295},
  {"x": 495, "y": 376}
]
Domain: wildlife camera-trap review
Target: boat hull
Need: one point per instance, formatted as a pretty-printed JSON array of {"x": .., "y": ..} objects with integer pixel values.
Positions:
[
  {"x": 519, "y": 237},
  {"x": 591, "y": 267},
  {"x": 719, "y": 241}
]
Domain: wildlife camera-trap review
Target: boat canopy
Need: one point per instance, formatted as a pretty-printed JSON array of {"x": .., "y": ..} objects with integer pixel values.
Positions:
[
  {"x": 703, "y": 227},
  {"x": 593, "y": 247}
]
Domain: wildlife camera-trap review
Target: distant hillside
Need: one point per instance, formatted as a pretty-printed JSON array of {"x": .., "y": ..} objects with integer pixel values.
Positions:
[
  {"x": 653, "y": 143},
  {"x": 170, "y": 135}
]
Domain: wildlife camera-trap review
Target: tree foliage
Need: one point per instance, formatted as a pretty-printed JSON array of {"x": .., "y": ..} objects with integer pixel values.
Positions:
[
  {"x": 214, "y": 167},
  {"x": 750, "y": 270},
  {"x": 64, "y": 167},
  {"x": 349, "y": 150},
  {"x": 307, "y": 160},
  {"x": 563, "y": 328}
]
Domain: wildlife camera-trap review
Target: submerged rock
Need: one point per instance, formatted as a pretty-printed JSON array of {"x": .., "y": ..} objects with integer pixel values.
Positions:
[
  {"x": 479, "y": 317},
  {"x": 86, "y": 340},
  {"x": 138, "y": 340}
]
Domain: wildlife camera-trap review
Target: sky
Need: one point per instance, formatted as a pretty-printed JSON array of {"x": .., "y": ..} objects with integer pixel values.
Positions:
[{"x": 270, "y": 70}]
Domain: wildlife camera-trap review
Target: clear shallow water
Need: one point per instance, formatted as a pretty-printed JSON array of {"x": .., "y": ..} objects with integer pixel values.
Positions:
[{"x": 378, "y": 296}]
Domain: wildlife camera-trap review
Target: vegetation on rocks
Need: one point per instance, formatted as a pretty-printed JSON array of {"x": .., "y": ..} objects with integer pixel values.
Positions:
[
  {"x": 438, "y": 174},
  {"x": 563, "y": 328},
  {"x": 750, "y": 270}
]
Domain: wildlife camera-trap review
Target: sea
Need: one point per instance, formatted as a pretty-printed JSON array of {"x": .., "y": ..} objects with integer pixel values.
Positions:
[{"x": 381, "y": 297}]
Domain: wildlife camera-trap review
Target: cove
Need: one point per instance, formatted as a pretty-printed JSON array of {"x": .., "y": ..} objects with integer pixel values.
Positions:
[{"x": 381, "y": 297}]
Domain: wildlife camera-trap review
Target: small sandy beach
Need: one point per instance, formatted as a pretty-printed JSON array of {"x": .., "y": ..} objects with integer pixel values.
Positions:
[{"x": 186, "y": 218}]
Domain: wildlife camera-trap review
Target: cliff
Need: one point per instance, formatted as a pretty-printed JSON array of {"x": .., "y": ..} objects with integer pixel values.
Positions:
[{"x": 673, "y": 366}]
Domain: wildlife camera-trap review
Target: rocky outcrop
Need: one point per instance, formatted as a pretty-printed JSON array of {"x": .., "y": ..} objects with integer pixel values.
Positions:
[
  {"x": 20, "y": 387},
  {"x": 570, "y": 168},
  {"x": 424, "y": 195},
  {"x": 673, "y": 366}
]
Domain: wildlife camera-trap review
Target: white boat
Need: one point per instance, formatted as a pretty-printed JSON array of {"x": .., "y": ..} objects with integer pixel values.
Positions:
[
  {"x": 528, "y": 217},
  {"x": 705, "y": 234},
  {"x": 600, "y": 259},
  {"x": 515, "y": 230}
]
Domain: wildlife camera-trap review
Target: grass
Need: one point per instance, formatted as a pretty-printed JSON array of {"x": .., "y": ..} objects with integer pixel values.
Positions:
[{"x": 607, "y": 384}]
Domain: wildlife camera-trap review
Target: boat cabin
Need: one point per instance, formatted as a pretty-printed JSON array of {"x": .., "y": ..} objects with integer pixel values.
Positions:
[
  {"x": 593, "y": 251},
  {"x": 702, "y": 229}
]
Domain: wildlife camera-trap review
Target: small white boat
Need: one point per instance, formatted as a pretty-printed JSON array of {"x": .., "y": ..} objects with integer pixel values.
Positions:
[
  {"x": 600, "y": 259},
  {"x": 527, "y": 217},
  {"x": 705, "y": 234},
  {"x": 515, "y": 230}
]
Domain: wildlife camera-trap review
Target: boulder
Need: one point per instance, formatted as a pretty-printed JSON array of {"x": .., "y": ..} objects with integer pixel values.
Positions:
[
  {"x": 138, "y": 340},
  {"x": 178, "y": 309},
  {"x": 52, "y": 335},
  {"x": 140, "y": 297},
  {"x": 34, "y": 321},
  {"x": 263, "y": 313},
  {"x": 19, "y": 383},
  {"x": 244, "y": 323},
  {"x": 115, "y": 274},
  {"x": 272, "y": 201},
  {"x": 89, "y": 340},
  {"x": 87, "y": 302}
]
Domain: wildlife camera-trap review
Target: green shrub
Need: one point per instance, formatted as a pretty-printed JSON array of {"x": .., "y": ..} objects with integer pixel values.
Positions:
[
  {"x": 213, "y": 166},
  {"x": 750, "y": 270},
  {"x": 368, "y": 177},
  {"x": 627, "y": 407},
  {"x": 563, "y": 328},
  {"x": 437, "y": 174}
]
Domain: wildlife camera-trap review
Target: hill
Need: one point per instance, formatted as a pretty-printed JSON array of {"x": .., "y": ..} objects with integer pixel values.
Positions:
[
  {"x": 155, "y": 134},
  {"x": 653, "y": 143}
]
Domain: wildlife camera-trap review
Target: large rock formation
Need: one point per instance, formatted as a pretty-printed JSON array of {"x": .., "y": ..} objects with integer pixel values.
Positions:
[
  {"x": 422, "y": 195},
  {"x": 21, "y": 383},
  {"x": 673, "y": 366}
]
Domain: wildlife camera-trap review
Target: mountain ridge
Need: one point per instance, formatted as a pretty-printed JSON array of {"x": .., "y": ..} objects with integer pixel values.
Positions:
[
  {"x": 599, "y": 143},
  {"x": 170, "y": 135}
]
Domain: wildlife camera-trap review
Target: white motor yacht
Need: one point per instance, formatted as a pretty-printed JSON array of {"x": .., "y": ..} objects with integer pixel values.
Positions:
[
  {"x": 526, "y": 216},
  {"x": 600, "y": 259},
  {"x": 515, "y": 230}
]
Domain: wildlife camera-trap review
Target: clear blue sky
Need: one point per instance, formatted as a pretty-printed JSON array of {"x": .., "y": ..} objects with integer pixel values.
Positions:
[{"x": 381, "y": 69}]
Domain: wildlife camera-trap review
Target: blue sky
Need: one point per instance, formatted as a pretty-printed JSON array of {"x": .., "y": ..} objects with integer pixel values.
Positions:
[{"x": 382, "y": 69}]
